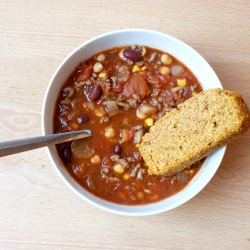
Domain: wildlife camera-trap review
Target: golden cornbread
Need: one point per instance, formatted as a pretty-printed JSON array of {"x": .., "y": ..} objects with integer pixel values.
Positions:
[{"x": 193, "y": 130}]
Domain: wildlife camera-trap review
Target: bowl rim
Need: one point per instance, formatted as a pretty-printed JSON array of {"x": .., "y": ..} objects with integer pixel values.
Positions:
[{"x": 110, "y": 206}]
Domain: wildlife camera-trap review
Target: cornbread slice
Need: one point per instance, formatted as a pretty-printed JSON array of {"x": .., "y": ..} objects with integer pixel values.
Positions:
[{"x": 193, "y": 130}]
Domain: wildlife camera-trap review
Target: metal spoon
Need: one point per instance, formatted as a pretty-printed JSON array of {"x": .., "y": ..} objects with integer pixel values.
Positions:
[{"x": 18, "y": 146}]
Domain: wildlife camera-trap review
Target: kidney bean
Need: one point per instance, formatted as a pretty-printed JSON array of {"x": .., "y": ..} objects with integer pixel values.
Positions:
[
  {"x": 82, "y": 118},
  {"x": 86, "y": 74},
  {"x": 66, "y": 153},
  {"x": 132, "y": 55},
  {"x": 95, "y": 93},
  {"x": 118, "y": 149}
]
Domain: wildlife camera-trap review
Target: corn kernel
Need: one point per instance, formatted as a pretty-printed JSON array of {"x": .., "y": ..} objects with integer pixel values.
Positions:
[
  {"x": 194, "y": 93},
  {"x": 136, "y": 68},
  {"x": 137, "y": 145},
  {"x": 164, "y": 70},
  {"x": 126, "y": 176},
  {"x": 95, "y": 159},
  {"x": 181, "y": 82},
  {"x": 143, "y": 68},
  {"x": 103, "y": 75},
  {"x": 166, "y": 59},
  {"x": 149, "y": 122},
  {"x": 100, "y": 112},
  {"x": 118, "y": 168},
  {"x": 109, "y": 132}
]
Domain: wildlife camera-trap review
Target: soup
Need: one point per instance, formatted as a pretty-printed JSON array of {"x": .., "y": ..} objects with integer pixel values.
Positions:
[{"x": 118, "y": 94}]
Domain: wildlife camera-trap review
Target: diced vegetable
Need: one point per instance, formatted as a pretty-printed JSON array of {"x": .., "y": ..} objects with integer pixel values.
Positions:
[
  {"x": 136, "y": 68},
  {"x": 176, "y": 89},
  {"x": 181, "y": 176},
  {"x": 118, "y": 168},
  {"x": 138, "y": 136},
  {"x": 176, "y": 70},
  {"x": 111, "y": 107},
  {"x": 90, "y": 183},
  {"x": 103, "y": 75},
  {"x": 181, "y": 82},
  {"x": 143, "y": 51},
  {"x": 149, "y": 122},
  {"x": 127, "y": 135},
  {"x": 145, "y": 110}
]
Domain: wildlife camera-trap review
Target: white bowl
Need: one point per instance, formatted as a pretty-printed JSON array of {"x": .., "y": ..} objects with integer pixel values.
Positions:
[{"x": 183, "y": 52}]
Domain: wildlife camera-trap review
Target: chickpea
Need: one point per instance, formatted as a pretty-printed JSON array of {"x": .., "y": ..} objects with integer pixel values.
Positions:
[
  {"x": 109, "y": 132},
  {"x": 118, "y": 168},
  {"x": 164, "y": 70},
  {"x": 96, "y": 159},
  {"x": 98, "y": 67},
  {"x": 166, "y": 59},
  {"x": 101, "y": 58}
]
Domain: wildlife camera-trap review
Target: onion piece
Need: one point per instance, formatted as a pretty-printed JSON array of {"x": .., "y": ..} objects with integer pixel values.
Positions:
[
  {"x": 176, "y": 89},
  {"x": 138, "y": 136},
  {"x": 68, "y": 91},
  {"x": 127, "y": 135},
  {"x": 111, "y": 107},
  {"x": 176, "y": 70},
  {"x": 145, "y": 110}
]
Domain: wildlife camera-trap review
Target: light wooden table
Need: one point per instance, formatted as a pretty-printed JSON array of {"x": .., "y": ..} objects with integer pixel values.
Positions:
[{"x": 37, "y": 210}]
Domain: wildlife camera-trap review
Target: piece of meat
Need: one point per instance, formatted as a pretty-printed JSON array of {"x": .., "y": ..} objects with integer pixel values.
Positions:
[{"x": 136, "y": 85}]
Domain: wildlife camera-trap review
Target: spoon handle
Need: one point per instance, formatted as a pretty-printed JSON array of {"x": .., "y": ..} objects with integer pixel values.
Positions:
[{"x": 21, "y": 145}]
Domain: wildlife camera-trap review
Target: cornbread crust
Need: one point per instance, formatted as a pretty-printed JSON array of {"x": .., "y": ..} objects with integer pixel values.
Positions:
[{"x": 193, "y": 130}]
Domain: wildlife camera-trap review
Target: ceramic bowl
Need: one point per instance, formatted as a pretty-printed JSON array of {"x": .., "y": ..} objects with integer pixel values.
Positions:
[{"x": 184, "y": 53}]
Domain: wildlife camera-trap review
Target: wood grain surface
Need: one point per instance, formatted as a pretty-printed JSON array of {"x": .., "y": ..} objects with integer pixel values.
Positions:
[{"x": 37, "y": 209}]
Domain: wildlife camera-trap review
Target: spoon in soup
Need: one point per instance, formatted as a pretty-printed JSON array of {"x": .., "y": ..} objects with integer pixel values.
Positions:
[{"x": 21, "y": 145}]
